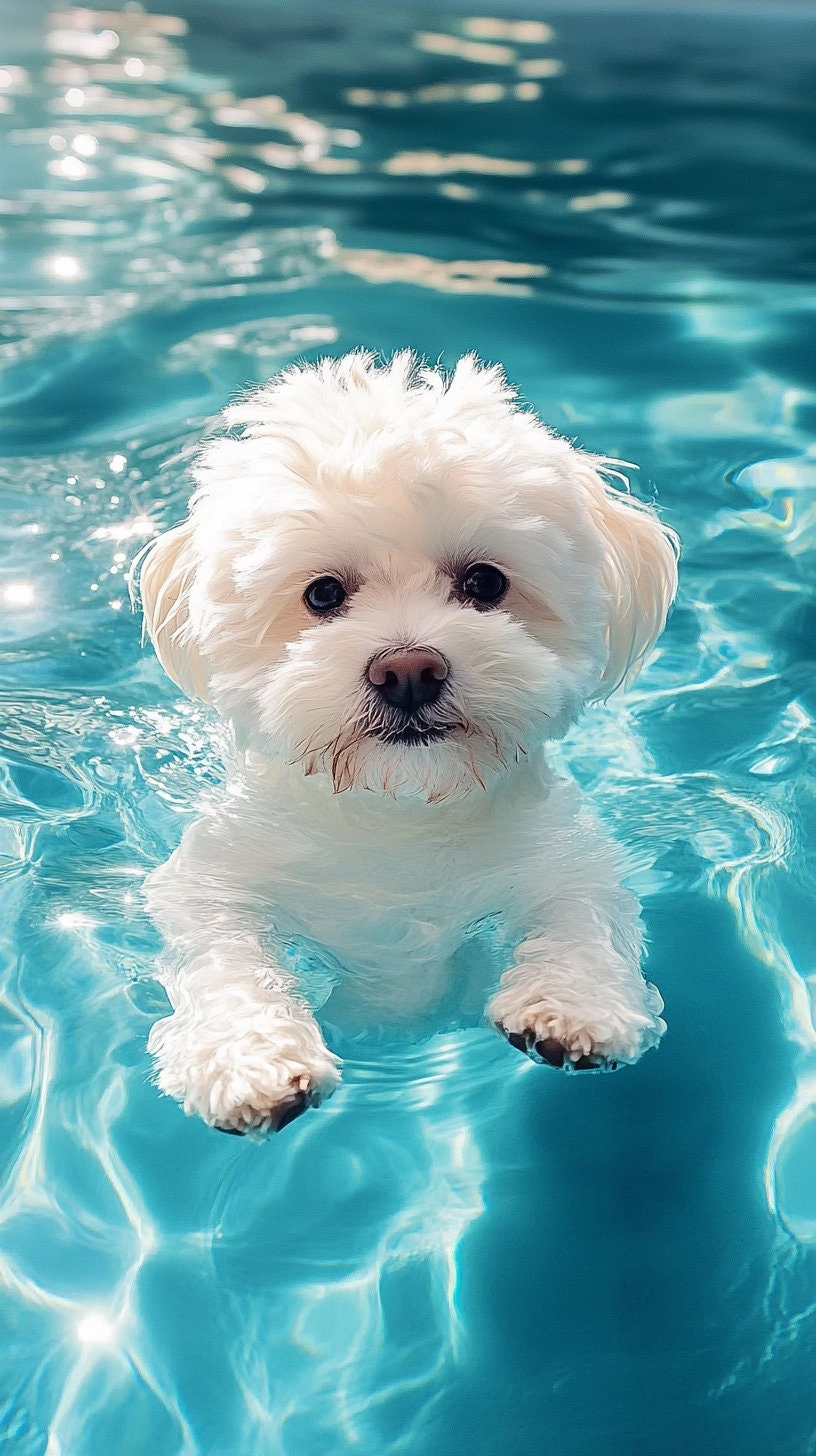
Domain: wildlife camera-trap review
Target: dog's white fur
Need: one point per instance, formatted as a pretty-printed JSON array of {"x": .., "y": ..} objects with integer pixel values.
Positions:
[{"x": 395, "y": 478}]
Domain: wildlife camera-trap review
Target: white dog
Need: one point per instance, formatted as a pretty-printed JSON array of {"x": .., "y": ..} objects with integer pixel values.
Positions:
[{"x": 396, "y": 585}]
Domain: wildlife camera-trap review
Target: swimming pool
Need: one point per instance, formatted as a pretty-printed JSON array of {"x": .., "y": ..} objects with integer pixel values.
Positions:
[{"x": 462, "y": 1252}]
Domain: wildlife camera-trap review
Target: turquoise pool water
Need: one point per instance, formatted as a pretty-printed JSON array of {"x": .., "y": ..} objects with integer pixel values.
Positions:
[{"x": 462, "y": 1253}]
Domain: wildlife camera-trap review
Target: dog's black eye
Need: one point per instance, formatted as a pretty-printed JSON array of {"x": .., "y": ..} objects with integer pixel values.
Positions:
[
  {"x": 324, "y": 595},
  {"x": 484, "y": 584}
]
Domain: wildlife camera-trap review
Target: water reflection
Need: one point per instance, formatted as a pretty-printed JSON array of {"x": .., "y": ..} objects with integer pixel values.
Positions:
[
  {"x": 144, "y": 152},
  {"x": 459, "y": 276}
]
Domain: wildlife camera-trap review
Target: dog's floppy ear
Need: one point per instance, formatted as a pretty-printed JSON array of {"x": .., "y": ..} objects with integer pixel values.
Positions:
[
  {"x": 168, "y": 569},
  {"x": 639, "y": 573}
]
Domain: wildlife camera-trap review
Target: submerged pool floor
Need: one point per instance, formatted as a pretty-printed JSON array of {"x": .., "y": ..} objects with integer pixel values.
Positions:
[{"x": 461, "y": 1253}]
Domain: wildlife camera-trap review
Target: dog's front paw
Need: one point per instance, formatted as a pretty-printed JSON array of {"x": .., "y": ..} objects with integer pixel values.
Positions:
[
  {"x": 263, "y": 1113},
  {"x": 258, "y": 1078},
  {"x": 576, "y": 1038},
  {"x": 253, "y": 1095}
]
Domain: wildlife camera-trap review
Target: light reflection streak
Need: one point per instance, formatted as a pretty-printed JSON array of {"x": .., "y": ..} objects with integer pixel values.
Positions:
[
  {"x": 442, "y": 44},
  {"x": 147, "y": 26},
  {"x": 90, "y": 44},
  {"x": 266, "y": 341},
  {"x": 746, "y": 846},
  {"x": 439, "y": 164},
  {"x": 477, "y": 93},
  {"x": 461, "y": 276},
  {"x": 28, "y": 1188},
  {"x": 597, "y": 201},
  {"x": 749, "y": 881},
  {"x": 541, "y": 69},
  {"x": 751, "y": 869},
  {"x": 520, "y": 32},
  {"x": 337, "y": 1350}
]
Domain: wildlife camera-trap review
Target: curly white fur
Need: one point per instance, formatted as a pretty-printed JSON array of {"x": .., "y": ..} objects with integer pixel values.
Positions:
[{"x": 394, "y": 479}]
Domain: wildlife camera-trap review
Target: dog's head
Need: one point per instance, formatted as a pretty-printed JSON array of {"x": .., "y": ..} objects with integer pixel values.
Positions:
[{"x": 401, "y": 578}]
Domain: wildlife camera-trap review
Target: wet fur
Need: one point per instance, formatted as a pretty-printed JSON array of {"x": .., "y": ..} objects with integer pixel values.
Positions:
[{"x": 394, "y": 478}]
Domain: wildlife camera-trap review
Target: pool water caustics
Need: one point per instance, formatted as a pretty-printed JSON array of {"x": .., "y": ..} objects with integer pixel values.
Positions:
[{"x": 462, "y": 1252}]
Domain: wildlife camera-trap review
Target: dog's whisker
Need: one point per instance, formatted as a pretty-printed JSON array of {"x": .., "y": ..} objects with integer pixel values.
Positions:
[
  {"x": 497, "y": 749},
  {"x": 305, "y": 745},
  {"x": 343, "y": 760},
  {"x": 477, "y": 776}
]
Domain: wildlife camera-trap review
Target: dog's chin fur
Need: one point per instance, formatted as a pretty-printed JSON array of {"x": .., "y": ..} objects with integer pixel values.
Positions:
[
  {"x": 434, "y": 770},
  {"x": 396, "y": 480}
]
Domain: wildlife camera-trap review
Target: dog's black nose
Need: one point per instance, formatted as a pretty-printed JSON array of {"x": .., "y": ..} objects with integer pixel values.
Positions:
[{"x": 407, "y": 677}]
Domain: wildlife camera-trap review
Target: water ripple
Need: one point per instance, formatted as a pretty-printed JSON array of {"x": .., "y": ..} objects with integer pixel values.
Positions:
[{"x": 618, "y": 211}]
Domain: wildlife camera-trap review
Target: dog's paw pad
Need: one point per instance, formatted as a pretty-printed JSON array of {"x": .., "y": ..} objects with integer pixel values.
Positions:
[
  {"x": 518, "y": 1040},
  {"x": 556, "y": 1054},
  {"x": 289, "y": 1110},
  {"x": 272, "y": 1117}
]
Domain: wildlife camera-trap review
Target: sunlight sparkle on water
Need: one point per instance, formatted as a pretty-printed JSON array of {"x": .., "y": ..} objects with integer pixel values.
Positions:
[
  {"x": 74, "y": 920},
  {"x": 85, "y": 144},
  {"x": 94, "y": 1329},
  {"x": 63, "y": 266},
  {"x": 72, "y": 168},
  {"x": 19, "y": 594}
]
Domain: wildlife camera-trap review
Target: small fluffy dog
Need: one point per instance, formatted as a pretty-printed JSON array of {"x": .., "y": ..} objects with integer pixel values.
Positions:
[{"x": 396, "y": 585}]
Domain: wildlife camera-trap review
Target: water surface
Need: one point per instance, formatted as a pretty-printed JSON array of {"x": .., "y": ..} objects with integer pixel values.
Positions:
[{"x": 462, "y": 1253}]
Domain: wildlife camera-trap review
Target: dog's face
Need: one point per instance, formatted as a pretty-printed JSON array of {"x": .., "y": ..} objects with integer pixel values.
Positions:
[{"x": 401, "y": 580}]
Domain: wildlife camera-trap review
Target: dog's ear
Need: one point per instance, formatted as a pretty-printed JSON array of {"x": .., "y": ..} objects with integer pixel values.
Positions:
[
  {"x": 168, "y": 569},
  {"x": 639, "y": 573}
]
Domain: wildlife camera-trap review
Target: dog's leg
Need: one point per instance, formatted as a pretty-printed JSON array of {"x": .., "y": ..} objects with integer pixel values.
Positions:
[
  {"x": 241, "y": 1054},
  {"x": 241, "y": 1048},
  {"x": 575, "y": 996}
]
